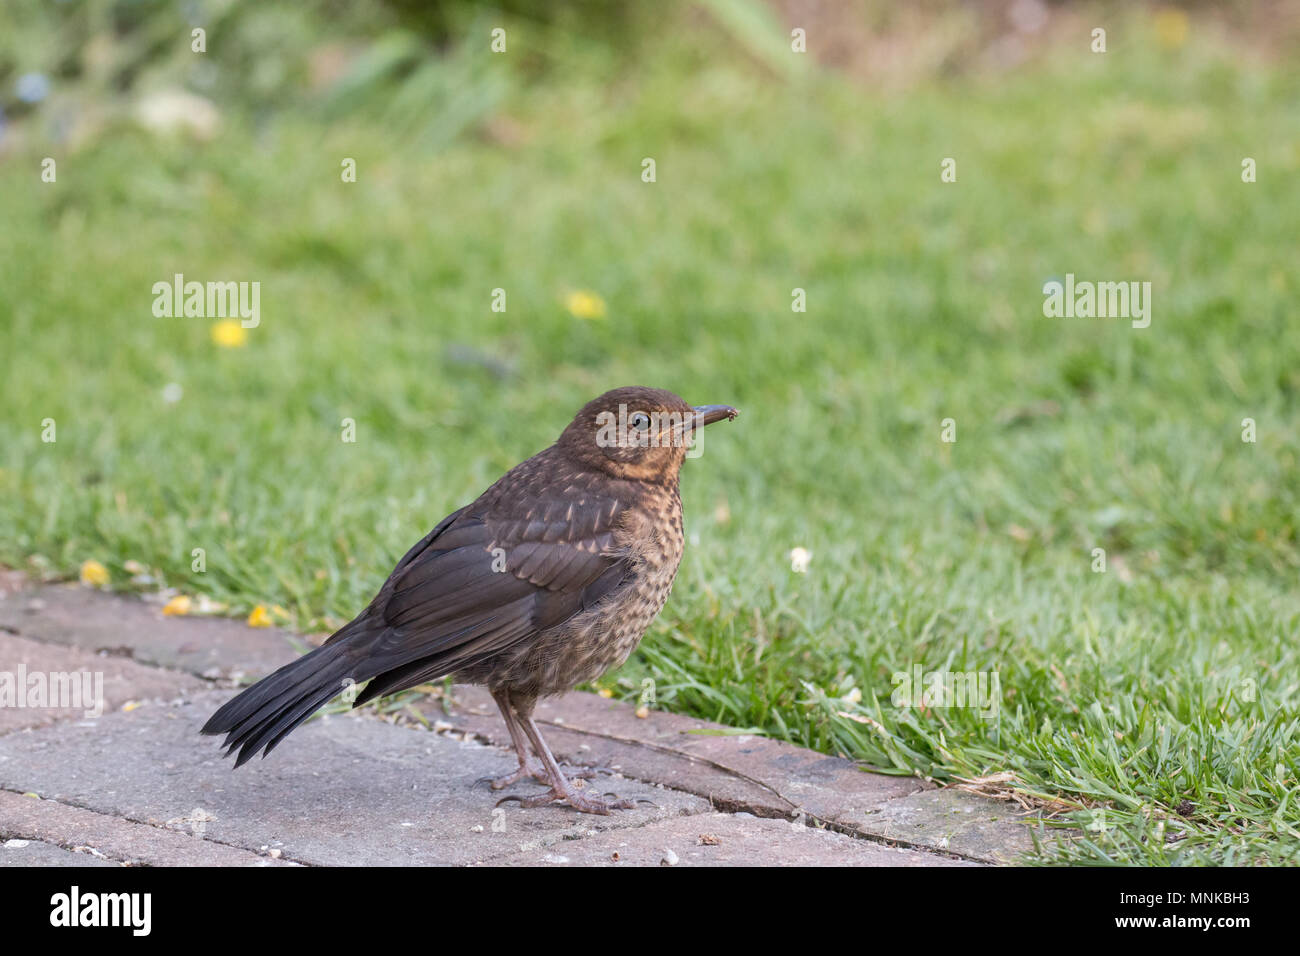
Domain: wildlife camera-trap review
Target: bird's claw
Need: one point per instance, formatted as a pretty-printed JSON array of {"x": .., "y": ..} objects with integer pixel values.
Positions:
[{"x": 584, "y": 802}]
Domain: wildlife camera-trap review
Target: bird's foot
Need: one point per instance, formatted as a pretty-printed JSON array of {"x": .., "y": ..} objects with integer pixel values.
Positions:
[{"x": 582, "y": 800}]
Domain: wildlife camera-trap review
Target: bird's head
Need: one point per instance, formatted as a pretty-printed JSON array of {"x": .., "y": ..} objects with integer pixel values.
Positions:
[{"x": 638, "y": 433}]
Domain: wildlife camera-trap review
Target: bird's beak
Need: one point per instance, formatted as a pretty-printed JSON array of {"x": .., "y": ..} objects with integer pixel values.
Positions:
[
  {"x": 703, "y": 415},
  {"x": 708, "y": 414}
]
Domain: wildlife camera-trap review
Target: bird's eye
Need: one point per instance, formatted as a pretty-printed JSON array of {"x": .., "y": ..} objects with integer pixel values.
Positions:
[{"x": 640, "y": 421}]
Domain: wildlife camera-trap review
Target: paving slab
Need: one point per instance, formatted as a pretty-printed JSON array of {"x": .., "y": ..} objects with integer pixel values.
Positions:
[
  {"x": 724, "y": 839},
  {"x": 78, "y": 616},
  {"x": 25, "y": 853},
  {"x": 955, "y": 822},
  {"x": 344, "y": 790},
  {"x": 103, "y": 683},
  {"x": 75, "y": 828}
]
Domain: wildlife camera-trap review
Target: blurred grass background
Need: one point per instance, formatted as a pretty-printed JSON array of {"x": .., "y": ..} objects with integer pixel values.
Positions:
[{"x": 1155, "y": 704}]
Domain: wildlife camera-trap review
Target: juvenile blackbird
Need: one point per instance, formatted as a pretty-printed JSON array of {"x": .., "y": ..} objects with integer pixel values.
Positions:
[{"x": 549, "y": 579}]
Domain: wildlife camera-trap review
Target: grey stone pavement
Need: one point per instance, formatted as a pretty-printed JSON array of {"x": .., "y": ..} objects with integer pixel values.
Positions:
[{"x": 137, "y": 785}]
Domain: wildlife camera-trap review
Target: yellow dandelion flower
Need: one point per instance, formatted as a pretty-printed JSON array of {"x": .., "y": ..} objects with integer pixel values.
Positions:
[
  {"x": 605, "y": 692},
  {"x": 229, "y": 334},
  {"x": 585, "y": 304},
  {"x": 94, "y": 574},
  {"x": 259, "y": 617},
  {"x": 643, "y": 711},
  {"x": 179, "y": 605}
]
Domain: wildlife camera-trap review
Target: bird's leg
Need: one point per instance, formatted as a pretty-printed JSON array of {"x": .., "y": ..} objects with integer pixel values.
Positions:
[
  {"x": 528, "y": 764},
  {"x": 561, "y": 788}
]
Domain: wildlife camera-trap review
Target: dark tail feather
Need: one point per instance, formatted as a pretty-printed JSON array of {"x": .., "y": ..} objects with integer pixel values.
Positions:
[{"x": 265, "y": 713}]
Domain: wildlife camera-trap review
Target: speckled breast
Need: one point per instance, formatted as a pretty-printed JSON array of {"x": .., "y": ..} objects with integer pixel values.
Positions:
[{"x": 603, "y": 637}]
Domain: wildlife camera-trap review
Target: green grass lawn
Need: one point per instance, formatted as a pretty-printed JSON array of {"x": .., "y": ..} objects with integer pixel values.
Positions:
[{"x": 1158, "y": 700}]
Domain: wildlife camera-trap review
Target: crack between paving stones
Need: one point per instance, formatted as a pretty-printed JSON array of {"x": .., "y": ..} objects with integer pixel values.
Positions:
[
  {"x": 739, "y": 806},
  {"x": 76, "y": 848},
  {"x": 222, "y": 681},
  {"x": 486, "y": 741},
  {"x": 939, "y": 789},
  {"x": 121, "y": 651},
  {"x": 659, "y": 748},
  {"x": 144, "y": 823}
]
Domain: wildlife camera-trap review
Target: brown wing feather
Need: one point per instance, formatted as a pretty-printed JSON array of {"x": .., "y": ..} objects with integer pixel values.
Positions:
[{"x": 446, "y": 607}]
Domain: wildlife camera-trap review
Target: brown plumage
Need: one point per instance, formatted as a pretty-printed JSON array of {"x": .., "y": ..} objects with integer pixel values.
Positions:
[{"x": 547, "y": 580}]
